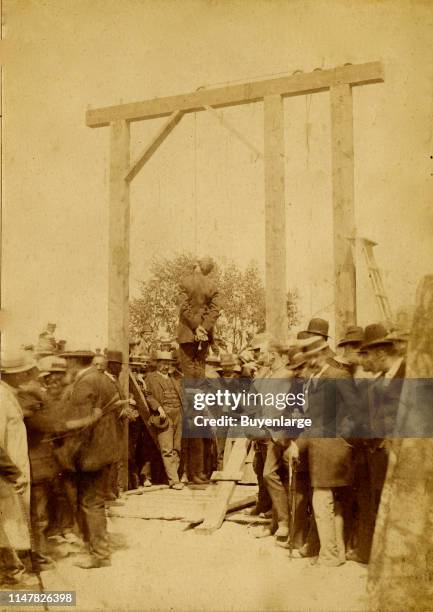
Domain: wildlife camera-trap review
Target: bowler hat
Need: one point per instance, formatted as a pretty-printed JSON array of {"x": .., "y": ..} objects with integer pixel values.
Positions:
[
  {"x": 353, "y": 335},
  {"x": 15, "y": 363},
  {"x": 115, "y": 356},
  {"x": 375, "y": 334},
  {"x": 158, "y": 421},
  {"x": 316, "y": 327}
]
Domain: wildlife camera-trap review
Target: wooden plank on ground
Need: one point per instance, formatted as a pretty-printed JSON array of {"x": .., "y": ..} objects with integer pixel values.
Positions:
[
  {"x": 217, "y": 509},
  {"x": 224, "y": 475},
  {"x": 247, "y": 519}
]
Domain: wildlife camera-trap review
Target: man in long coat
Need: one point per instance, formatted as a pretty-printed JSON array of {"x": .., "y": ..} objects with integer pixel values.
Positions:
[
  {"x": 92, "y": 401},
  {"x": 331, "y": 401},
  {"x": 199, "y": 311},
  {"x": 14, "y": 505}
]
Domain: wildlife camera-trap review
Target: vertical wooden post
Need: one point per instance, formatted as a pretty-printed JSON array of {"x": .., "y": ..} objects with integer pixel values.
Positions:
[
  {"x": 343, "y": 206},
  {"x": 118, "y": 273},
  {"x": 275, "y": 219}
]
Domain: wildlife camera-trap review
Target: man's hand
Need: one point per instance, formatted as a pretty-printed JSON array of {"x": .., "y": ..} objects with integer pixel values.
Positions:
[
  {"x": 162, "y": 412},
  {"x": 20, "y": 484},
  {"x": 201, "y": 334},
  {"x": 293, "y": 452}
]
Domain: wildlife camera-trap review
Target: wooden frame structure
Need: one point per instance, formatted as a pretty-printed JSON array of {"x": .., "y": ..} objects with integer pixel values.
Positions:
[{"x": 339, "y": 81}]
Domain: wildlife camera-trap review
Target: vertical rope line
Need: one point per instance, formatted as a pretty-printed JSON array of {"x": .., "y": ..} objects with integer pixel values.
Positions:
[
  {"x": 195, "y": 188},
  {"x": 308, "y": 100}
]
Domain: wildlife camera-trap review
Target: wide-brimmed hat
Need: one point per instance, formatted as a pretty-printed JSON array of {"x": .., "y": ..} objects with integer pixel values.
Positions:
[
  {"x": 212, "y": 359},
  {"x": 297, "y": 360},
  {"x": 399, "y": 335},
  {"x": 375, "y": 335},
  {"x": 316, "y": 327},
  {"x": 228, "y": 359},
  {"x": 353, "y": 335},
  {"x": 82, "y": 353},
  {"x": 49, "y": 365},
  {"x": 114, "y": 356},
  {"x": 81, "y": 349},
  {"x": 15, "y": 363},
  {"x": 140, "y": 359},
  {"x": 316, "y": 345},
  {"x": 163, "y": 356}
]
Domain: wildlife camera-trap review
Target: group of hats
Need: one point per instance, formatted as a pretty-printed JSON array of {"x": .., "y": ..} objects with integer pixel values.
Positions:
[{"x": 374, "y": 335}]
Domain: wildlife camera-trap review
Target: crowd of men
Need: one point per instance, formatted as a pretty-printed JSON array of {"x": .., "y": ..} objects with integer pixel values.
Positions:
[{"x": 64, "y": 415}]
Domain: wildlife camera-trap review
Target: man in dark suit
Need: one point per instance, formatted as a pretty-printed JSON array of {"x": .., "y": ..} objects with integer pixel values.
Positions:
[
  {"x": 390, "y": 367},
  {"x": 93, "y": 420},
  {"x": 165, "y": 400},
  {"x": 199, "y": 311},
  {"x": 331, "y": 399},
  {"x": 384, "y": 397}
]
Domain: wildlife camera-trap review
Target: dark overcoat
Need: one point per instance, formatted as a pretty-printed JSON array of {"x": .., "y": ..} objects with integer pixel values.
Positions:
[
  {"x": 97, "y": 445},
  {"x": 384, "y": 402},
  {"x": 331, "y": 401}
]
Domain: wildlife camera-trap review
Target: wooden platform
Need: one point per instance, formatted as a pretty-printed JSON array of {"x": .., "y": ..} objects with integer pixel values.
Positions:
[{"x": 188, "y": 505}]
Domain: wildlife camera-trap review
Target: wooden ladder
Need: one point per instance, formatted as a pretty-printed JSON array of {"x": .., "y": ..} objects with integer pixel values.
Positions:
[{"x": 365, "y": 245}]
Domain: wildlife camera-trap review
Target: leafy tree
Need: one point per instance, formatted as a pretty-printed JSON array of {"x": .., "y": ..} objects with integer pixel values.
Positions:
[{"x": 242, "y": 298}]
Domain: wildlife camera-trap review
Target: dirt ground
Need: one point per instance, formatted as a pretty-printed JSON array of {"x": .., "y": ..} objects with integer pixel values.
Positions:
[{"x": 163, "y": 565}]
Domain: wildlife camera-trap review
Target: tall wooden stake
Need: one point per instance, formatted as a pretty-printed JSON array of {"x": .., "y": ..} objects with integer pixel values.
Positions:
[
  {"x": 343, "y": 206},
  {"x": 118, "y": 274},
  {"x": 275, "y": 219}
]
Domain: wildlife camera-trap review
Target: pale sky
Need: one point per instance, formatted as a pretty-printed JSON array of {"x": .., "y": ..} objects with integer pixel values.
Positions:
[{"x": 65, "y": 56}]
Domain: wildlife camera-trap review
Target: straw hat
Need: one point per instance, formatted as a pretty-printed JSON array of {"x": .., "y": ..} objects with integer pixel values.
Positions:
[
  {"x": 163, "y": 356},
  {"x": 48, "y": 365},
  {"x": 15, "y": 363}
]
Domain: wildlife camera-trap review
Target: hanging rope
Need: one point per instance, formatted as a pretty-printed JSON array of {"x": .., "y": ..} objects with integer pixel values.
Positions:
[
  {"x": 308, "y": 100},
  {"x": 195, "y": 188}
]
